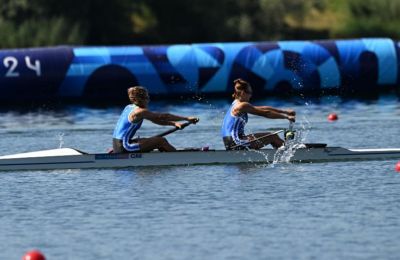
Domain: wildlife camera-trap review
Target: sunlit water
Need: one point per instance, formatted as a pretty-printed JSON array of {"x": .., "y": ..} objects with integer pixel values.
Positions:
[{"x": 345, "y": 210}]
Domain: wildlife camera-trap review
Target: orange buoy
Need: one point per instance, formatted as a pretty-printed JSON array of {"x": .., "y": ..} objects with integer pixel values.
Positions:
[
  {"x": 34, "y": 255},
  {"x": 397, "y": 168},
  {"x": 333, "y": 117}
]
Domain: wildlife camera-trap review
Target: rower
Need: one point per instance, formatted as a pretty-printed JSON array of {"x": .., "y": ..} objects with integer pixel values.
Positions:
[
  {"x": 131, "y": 120},
  {"x": 236, "y": 118}
]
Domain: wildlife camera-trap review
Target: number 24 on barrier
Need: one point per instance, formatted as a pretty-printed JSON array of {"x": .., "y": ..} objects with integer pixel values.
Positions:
[{"x": 11, "y": 64}]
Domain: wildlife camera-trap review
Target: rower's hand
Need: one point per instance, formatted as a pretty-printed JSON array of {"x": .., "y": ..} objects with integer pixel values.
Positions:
[
  {"x": 292, "y": 118},
  {"x": 178, "y": 125},
  {"x": 193, "y": 120},
  {"x": 290, "y": 112}
]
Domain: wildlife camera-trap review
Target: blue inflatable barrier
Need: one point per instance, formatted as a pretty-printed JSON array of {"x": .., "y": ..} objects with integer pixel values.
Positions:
[{"x": 344, "y": 67}]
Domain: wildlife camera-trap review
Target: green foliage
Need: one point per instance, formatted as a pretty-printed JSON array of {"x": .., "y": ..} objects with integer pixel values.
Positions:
[
  {"x": 185, "y": 21},
  {"x": 372, "y": 18},
  {"x": 28, "y": 23},
  {"x": 44, "y": 32}
]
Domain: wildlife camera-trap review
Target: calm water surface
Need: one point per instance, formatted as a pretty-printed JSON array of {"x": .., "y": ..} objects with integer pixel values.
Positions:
[{"x": 345, "y": 210}]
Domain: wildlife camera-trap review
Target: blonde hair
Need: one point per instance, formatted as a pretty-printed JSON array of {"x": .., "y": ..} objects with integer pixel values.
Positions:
[
  {"x": 240, "y": 86},
  {"x": 137, "y": 95}
]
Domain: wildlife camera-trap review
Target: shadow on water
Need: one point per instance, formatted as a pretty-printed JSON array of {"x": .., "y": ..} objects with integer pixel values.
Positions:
[{"x": 202, "y": 170}]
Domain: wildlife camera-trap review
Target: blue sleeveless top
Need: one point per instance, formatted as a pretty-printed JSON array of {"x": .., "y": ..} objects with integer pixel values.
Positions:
[
  {"x": 126, "y": 130},
  {"x": 233, "y": 126}
]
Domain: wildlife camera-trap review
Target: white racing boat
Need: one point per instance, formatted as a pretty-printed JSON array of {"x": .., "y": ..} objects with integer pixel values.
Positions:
[{"x": 68, "y": 158}]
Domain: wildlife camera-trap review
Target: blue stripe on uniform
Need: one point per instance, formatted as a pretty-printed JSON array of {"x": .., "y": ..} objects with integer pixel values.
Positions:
[
  {"x": 131, "y": 132},
  {"x": 126, "y": 130},
  {"x": 233, "y": 126}
]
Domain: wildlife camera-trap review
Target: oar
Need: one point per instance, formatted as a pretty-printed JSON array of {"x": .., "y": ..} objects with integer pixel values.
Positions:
[
  {"x": 257, "y": 139},
  {"x": 175, "y": 129}
]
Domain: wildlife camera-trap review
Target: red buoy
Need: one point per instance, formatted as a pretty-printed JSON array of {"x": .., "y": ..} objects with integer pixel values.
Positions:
[
  {"x": 333, "y": 117},
  {"x": 34, "y": 255},
  {"x": 397, "y": 166}
]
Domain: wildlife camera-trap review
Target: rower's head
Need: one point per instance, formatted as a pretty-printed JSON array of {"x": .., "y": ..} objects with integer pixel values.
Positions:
[
  {"x": 139, "y": 96},
  {"x": 242, "y": 90}
]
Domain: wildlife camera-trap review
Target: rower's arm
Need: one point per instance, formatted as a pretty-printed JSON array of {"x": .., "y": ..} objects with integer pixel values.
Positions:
[
  {"x": 164, "y": 118},
  {"x": 259, "y": 111},
  {"x": 288, "y": 112},
  {"x": 144, "y": 113},
  {"x": 163, "y": 122}
]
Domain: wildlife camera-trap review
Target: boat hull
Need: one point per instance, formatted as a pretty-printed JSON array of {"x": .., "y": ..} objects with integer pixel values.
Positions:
[{"x": 86, "y": 161}]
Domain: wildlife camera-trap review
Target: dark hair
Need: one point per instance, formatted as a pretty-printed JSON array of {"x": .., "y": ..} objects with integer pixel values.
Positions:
[
  {"x": 240, "y": 86},
  {"x": 137, "y": 95}
]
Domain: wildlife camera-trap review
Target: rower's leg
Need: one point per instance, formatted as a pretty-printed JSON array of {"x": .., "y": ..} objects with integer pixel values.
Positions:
[
  {"x": 274, "y": 140},
  {"x": 165, "y": 146},
  {"x": 160, "y": 143}
]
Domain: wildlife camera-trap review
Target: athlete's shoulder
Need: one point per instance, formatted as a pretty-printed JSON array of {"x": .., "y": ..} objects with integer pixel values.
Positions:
[
  {"x": 242, "y": 106},
  {"x": 137, "y": 113}
]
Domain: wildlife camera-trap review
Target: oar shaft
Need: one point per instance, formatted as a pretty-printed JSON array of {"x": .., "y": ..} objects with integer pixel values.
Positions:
[
  {"x": 257, "y": 139},
  {"x": 173, "y": 130}
]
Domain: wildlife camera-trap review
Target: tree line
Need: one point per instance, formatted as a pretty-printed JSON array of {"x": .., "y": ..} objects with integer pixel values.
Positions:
[{"x": 31, "y": 23}]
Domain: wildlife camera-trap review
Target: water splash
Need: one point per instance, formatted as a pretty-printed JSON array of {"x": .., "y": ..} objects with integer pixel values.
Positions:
[
  {"x": 265, "y": 155},
  {"x": 286, "y": 152},
  {"x": 61, "y": 140}
]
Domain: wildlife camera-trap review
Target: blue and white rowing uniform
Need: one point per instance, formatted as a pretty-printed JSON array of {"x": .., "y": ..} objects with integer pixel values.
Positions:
[
  {"x": 232, "y": 130},
  {"x": 125, "y": 130}
]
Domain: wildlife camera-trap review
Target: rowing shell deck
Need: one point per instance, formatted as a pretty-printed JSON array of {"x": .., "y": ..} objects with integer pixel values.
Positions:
[{"x": 68, "y": 158}]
